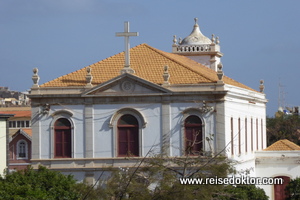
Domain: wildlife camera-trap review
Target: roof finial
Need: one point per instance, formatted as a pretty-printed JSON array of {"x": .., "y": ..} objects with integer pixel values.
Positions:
[
  {"x": 220, "y": 73},
  {"x": 89, "y": 77},
  {"x": 166, "y": 75},
  {"x": 196, "y": 20},
  {"x": 261, "y": 86},
  {"x": 174, "y": 40},
  {"x": 35, "y": 78},
  {"x": 212, "y": 38},
  {"x": 217, "y": 40}
]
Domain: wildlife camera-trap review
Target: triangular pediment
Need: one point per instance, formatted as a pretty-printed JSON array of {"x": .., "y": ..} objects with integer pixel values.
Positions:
[{"x": 126, "y": 84}]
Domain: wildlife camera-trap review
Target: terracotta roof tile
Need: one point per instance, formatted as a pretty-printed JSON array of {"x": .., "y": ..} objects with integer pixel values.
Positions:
[
  {"x": 15, "y": 108},
  {"x": 283, "y": 145},
  {"x": 28, "y": 131},
  {"x": 21, "y": 113},
  {"x": 148, "y": 64}
]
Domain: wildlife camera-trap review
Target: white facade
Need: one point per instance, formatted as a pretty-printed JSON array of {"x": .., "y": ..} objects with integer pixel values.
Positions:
[
  {"x": 160, "y": 112},
  {"x": 4, "y": 142},
  {"x": 3, "y": 163}
]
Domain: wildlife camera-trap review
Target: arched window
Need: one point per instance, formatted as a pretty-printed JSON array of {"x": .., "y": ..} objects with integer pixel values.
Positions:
[
  {"x": 193, "y": 135},
  {"x": 128, "y": 136},
  {"x": 62, "y": 138},
  {"x": 22, "y": 149}
]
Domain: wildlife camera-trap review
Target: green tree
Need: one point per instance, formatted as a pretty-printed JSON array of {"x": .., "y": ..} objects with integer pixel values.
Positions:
[
  {"x": 157, "y": 177},
  {"x": 245, "y": 192},
  {"x": 293, "y": 189},
  {"x": 37, "y": 184},
  {"x": 283, "y": 127}
]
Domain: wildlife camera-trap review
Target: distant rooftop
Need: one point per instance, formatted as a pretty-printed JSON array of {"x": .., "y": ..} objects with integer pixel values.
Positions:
[{"x": 283, "y": 145}]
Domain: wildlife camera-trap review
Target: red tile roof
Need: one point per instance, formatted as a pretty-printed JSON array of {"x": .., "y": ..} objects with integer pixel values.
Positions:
[
  {"x": 148, "y": 64},
  {"x": 28, "y": 131},
  {"x": 283, "y": 145},
  {"x": 22, "y": 113}
]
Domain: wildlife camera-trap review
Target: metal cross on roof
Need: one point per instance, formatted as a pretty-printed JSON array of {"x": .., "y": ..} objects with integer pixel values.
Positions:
[{"x": 126, "y": 34}]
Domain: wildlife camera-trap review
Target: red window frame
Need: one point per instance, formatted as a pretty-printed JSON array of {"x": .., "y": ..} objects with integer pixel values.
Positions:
[
  {"x": 193, "y": 137},
  {"x": 128, "y": 136},
  {"x": 62, "y": 139}
]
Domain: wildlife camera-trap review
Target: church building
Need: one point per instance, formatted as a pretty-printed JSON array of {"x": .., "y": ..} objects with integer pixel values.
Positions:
[{"x": 146, "y": 99}]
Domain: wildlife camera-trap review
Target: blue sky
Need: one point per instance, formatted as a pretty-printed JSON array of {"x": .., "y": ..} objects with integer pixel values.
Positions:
[{"x": 259, "y": 39}]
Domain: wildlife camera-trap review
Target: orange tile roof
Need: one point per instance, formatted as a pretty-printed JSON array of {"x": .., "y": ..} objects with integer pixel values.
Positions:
[
  {"x": 21, "y": 113},
  {"x": 28, "y": 131},
  {"x": 15, "y": 108},
  {"x": 148, "y": 64},
  {"x": 283, "y": 145}
]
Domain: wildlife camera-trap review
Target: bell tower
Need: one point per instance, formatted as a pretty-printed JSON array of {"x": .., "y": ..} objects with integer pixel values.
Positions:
[{"x": 199, "y": 48}]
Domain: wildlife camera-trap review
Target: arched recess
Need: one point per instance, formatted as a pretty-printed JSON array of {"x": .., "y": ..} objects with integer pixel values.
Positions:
[
  {"x": 118, "y": 126},
  {"x": 192, "y": 132},
  {"x": 124, "y": 111},
  {"x": 62, "y": 112},
  {"x": 62, "y": 135}
]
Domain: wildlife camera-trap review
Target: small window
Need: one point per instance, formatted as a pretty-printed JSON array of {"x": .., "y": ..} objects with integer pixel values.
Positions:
[
  {"x": 22, "y": 149},
  {"x": 12, "y": 124},
  {"x": 193, "y": 135},
  {"x": 27, "y": 124}
]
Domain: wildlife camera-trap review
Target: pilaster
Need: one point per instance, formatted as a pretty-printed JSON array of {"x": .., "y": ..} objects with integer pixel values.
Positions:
[
  {"x": 220, "y": 137},
  {"x": 89, "y": 130},
  {"x": 89, "y": 178},
  {"x": 165, "y": 120},
  {"x": 36, "y": 133}
]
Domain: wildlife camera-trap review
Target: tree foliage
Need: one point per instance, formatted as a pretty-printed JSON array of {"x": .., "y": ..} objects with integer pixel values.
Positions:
[
  {"x": 293, "y": 189},
  {"x": 158, "y": 179},
  {"x": 37, "y": 184},
  {"x": 245, "y": 192},
  {"x": 283, "y": 127}
]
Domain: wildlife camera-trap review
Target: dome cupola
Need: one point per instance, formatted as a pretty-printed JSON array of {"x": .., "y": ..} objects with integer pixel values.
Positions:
[
  {"x": 198, "y": 47},
  {"x": 196, "y": 37}
]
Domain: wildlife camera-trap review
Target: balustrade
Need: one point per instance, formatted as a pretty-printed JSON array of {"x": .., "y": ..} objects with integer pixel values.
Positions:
[{"x": 194, "y": 48}]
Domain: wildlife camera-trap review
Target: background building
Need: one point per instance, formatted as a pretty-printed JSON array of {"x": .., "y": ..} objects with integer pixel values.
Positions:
[
  {"x": 19, "y": 136},
  {"x": 4, "y": 160}
]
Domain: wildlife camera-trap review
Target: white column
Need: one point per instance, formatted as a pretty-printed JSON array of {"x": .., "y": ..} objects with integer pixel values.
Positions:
[
  {"x": 165, "y": 120},
  {"x": 89, "y": 131}
]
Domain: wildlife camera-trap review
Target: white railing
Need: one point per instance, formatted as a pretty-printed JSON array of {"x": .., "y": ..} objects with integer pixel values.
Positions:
[{"x": 193, "y": 48}]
